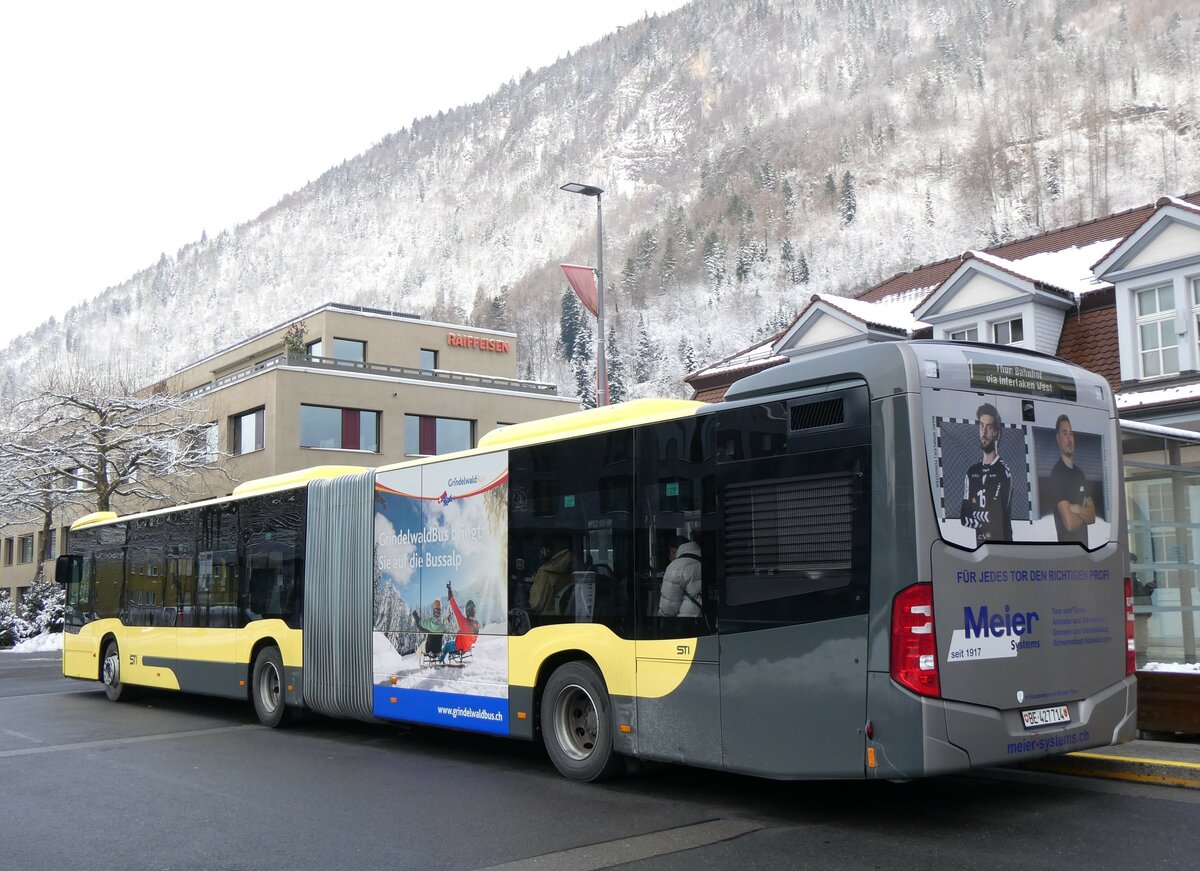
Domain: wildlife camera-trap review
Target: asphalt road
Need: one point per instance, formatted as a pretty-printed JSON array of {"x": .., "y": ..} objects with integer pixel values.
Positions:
[{"x": 173, "y": 782}]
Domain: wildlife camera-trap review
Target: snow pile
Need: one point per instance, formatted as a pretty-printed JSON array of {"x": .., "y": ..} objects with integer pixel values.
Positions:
[{"x": 47, "y": 641}]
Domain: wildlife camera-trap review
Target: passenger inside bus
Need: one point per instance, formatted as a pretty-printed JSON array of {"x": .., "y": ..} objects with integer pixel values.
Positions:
[{"x": 681, "y": 584}]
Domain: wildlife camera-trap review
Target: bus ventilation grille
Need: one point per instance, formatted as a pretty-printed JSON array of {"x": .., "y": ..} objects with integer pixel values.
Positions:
[{"x": 811, "y": 415}]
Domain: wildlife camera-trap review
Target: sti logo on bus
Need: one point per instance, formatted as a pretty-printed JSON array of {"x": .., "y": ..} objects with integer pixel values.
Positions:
[{"x": 991, "y": 634}]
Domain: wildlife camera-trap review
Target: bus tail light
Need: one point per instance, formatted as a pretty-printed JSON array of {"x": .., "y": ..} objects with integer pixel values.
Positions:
[
  {"x": 914, "y": 643},
  {"x": 1130, "y": 650}
]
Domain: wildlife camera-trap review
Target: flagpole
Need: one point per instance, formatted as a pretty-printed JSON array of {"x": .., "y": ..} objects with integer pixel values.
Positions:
[
  {"x": 601, "y": 350},
  {"x": 590, "y": 190}
]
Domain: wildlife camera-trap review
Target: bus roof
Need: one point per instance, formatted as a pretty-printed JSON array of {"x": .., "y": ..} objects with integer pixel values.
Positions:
[
  {"x": 594, "y": 420},
  {"x": 255, "y": 487}
]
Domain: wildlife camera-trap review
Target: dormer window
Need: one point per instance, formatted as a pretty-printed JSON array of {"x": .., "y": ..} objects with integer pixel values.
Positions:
[
  {"x": 1158, "y": 348},
  {"x": 1009, "y": 332},
  {"x": 966, "y": 334}
]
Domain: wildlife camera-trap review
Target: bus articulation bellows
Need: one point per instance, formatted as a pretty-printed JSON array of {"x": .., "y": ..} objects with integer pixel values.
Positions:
[{"x": 895, "y": 562}]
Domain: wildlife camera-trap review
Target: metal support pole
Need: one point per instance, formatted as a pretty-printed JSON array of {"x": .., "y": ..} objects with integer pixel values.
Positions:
[{"x": 601, "y": 361}]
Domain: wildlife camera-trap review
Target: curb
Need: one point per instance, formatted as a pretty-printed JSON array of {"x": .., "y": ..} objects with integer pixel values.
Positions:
[{"x": 1160, "y": 772}]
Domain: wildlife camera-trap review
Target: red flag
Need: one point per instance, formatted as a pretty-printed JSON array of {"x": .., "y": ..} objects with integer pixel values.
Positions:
[{"x": 583, "y": 282}]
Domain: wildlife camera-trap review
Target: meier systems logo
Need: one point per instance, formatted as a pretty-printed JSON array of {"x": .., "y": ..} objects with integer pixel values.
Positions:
[{"x": 988, "y": 634}]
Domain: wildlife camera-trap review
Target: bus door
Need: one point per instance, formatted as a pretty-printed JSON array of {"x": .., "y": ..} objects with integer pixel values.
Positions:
[
  {"x": 678, "y": 677},
  {"x": 209, "y": 613},
  {"x": 148, "y": 645},
  {"x": 793, "y": 483}
]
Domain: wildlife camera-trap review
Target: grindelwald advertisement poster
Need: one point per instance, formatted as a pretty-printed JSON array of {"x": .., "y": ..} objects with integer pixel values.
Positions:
[{"x": 440, "y": 640}]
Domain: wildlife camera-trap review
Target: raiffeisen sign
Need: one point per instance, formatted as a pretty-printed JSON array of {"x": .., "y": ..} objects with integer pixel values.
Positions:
[{"x": 480, "y": 343}]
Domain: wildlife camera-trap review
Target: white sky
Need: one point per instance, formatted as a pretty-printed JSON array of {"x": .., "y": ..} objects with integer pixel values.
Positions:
[{"x": 130, "y": 127}]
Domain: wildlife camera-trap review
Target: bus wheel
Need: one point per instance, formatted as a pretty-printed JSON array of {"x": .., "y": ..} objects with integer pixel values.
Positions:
[
  {"x": 110, "y": 673},
  {"x": 266, "y": 687},
  {"x": 577, "y": 723}
]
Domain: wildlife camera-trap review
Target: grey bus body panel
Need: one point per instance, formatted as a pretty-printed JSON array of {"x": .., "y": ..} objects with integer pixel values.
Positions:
[
  {"x": 684, "y": 726},
  {"x": 224, "y": 679},
  {"x": 793, "y": 700}
]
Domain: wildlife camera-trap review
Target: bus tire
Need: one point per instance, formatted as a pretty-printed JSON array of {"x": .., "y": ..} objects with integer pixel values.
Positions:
[
  {"x": 577, "y": 726},
  {"x": 266, "y": 688},
  {"x": 110, "y": 673}
]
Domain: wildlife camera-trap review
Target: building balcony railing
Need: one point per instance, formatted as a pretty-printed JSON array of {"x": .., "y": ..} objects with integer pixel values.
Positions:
[{"x": 332, "y": 364}]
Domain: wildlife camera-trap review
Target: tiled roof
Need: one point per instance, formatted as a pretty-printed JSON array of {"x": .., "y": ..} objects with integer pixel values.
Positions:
[
  {"x": 1116, "y": 226},
  {"x": 1054, "y": 260},
  {"x": 1089, "y": 338}
]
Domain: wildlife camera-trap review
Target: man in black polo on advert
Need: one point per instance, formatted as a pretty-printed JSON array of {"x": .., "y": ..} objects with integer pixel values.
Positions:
[
  {"x": 1070, "y": 493},
  {"x": 987, "y": 488}
]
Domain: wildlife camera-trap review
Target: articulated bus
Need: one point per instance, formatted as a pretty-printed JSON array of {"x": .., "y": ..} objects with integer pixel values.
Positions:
[{"x": 901, "y": 561}]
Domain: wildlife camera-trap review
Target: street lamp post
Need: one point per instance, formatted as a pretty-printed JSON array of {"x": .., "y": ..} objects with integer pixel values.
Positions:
[{"x": 589, "y": 190}]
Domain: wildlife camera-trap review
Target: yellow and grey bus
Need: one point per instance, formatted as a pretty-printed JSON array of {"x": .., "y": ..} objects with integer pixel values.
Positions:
[{"x": 896, "y": 562}]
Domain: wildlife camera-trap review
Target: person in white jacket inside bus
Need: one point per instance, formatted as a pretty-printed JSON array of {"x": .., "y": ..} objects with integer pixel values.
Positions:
[{"x": 680, "y": 594}]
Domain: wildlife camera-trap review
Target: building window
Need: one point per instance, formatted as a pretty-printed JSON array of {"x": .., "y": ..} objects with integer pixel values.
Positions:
[
  {"x": 1157, "y": 343},
  {"x": 348, "y": 429},
  {"x": 436, "y": 435},
  {"x": 211, "y": 443},
  {"x": 315, "y": 349},
  {"x": 25, "y": 548},
  {"x": 966, "y": 334},
  {"x": 350, "y": 350},
  {"x": 8, "y": 551},
  {"x": 75, "y": 479},
  {"x": 247, "y": 431},
  {"x": 1010, "y": 332},
  {"x": 1196, "y": 310},
  {"x": 428, "y": 359},
  {"x": 43, "y": 551}
]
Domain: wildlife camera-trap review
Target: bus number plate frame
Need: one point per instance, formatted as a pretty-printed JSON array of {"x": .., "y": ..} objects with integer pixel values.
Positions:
[{"x": 1038, "y": 717}]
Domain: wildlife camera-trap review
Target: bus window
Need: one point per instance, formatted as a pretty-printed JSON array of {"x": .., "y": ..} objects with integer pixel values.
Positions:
[
  {"x": 569, "y": 548},
  {"x": 109, "y": 570},
  {"x": 273, "y": 553},
  {"x": 676, "y": 503},
  {"x": 215, "y": 602}
]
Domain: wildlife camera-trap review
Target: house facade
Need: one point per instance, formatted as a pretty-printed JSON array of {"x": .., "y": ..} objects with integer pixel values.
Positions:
[{"x": 369, "y": 387}]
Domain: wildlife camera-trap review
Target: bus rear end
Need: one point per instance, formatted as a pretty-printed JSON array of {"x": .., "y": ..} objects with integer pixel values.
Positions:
[{"x": 1017, "y": 643}]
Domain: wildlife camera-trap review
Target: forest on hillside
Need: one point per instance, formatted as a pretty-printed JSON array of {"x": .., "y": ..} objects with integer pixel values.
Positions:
[{"x": 751, "y": 154}]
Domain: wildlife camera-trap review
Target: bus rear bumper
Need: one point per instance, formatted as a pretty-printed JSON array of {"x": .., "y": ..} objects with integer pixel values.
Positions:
[{"x": 996, "y": 737}]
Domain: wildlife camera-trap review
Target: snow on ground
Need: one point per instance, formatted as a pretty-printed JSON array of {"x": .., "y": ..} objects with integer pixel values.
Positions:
[
  {"x": 49, "y": 641},
  {"x": 1178, "y": 667}
]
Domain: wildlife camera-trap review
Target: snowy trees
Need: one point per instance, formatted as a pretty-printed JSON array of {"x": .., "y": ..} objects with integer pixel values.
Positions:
[{"x": 86, "y": 435}]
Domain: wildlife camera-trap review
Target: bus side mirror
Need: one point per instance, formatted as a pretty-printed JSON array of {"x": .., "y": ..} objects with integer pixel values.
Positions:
[{"x": 68, "y": 569}]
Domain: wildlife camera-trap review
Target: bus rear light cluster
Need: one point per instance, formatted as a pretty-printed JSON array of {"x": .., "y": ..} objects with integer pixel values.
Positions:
[
  {"x": 1130, "y": 650},
  {"x": 914, "y": 643}
]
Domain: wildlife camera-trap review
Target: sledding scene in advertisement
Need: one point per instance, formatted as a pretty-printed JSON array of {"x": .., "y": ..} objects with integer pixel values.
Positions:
[{"x": 440, "y": 647}]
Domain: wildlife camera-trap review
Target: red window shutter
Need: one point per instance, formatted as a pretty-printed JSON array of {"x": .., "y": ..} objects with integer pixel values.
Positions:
[
  {"x": 350, "y": 429},
  {"x": 428, "y": 435}
]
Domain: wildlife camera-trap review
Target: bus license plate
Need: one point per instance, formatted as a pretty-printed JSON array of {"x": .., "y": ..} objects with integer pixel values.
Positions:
[{"x": 1046, "y": 716}]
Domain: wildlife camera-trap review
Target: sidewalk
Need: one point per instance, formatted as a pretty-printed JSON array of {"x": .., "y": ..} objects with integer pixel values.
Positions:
[{"x": 1167, "y": 763}]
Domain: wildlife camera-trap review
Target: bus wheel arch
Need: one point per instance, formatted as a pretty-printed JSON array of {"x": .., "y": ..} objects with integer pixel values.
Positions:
[
  {"x": 267, "y": 685},
  {"x": 576, "y": 720}
]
